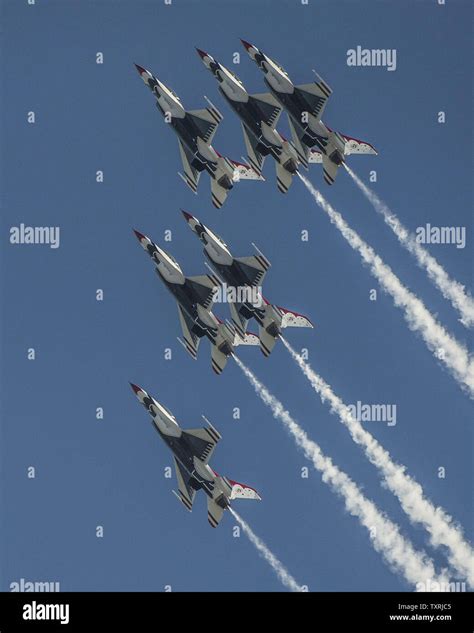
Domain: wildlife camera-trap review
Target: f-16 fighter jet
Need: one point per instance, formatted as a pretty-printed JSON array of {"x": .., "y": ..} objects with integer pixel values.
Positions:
[
  {"x": 192, "y": 450},
  {"x": 259, "y": 115},
  {"x": 305, "y": 105},
  {"x": 195, "y": 130},
  {"x": 194, "y": 296},
  {"x": 246, "y": 273}
]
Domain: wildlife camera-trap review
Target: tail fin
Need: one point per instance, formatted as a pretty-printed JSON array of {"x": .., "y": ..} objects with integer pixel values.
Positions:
[
  {"x": 242, "y": 491},
  {"x": 293, "y": 319}
]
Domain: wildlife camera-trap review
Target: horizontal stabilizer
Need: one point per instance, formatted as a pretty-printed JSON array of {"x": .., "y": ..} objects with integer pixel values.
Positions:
[
  {"x": 301, "y": 148},
  {"x": 218, "y": 194},
  {"x": 329, "y": 170},
  {"x": 284, "y": 178},
  {"x": 214, "y": 512},
  {"x": 267, "y": 341},
  {"x": 191, "y": 175},
  {"x": 218, "y": 359},
  {"x": 256, "y": 159}
]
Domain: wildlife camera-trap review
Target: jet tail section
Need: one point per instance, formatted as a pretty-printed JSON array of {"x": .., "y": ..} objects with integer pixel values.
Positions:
[
  {"x": 214, "y": 512},
  {"x": 267, "y": 341},
  {"x": 284, "y": 178},
  {"x": 218, "y": 194},
  {"x": 330, "y": 169}
]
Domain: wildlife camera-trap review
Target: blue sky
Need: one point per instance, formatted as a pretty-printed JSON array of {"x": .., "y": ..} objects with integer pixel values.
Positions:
[{"x": 93, "y": 117}]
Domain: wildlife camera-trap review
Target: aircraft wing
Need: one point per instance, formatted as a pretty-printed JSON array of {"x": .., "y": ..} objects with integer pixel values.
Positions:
[
  {"x": 191, "y": 175},
  {"x": 254, "y": 267},
  {"x": 315, "y": 96},
  {"x": 186, "y": 492},
  {"x": 203, "y": 288},
  {"x": 255, "y": 158},
  {"x": 206, "y": 122},
  {"x": 268, "y": 106},
  {"x": 190, "y": 340},
  {"x": 355, "y": 146},
  {"x": 203, "y": 441}
]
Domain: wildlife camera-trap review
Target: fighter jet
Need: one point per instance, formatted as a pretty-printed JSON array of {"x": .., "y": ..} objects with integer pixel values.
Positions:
[
  {"x": 305, "y": 105},
  {"x": 192, "y": 450},
  {"x": 195, "y": 130},
  {"x": 259, "y": 114},
  {"x": 246, "y": 273},
  {"x": 194, "y": 296}
]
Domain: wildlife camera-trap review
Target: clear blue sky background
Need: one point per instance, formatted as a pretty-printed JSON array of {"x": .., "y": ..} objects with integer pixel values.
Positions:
[{"x": 110, "y": 472}]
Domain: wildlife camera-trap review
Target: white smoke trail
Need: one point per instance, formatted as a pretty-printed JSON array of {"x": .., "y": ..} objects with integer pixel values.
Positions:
[
  {"x": 451, "y": 289},
  {"x": 439, "y": 525},
  {"x": 442, "y": 345},
  {"x": 283, "y": 575},
  {"x": 385, "y": 537}
]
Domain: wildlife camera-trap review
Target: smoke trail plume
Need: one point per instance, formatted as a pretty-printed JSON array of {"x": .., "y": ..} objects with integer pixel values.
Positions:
[
  {"x": 283, "y": 575},
  {"x": 385, "y": 536},
  {"x": 439, "y": 525},
  {"x": 451, "y": 290},
  {"x": 442, "y": 345}
]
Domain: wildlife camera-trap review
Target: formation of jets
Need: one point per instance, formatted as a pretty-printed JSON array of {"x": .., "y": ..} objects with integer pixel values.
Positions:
[
  {"x": 311, "y": 142},
  {"x": 195, "y": 296}
]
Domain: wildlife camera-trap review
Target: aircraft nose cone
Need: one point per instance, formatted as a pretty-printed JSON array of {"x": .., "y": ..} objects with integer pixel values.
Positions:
[
  {"x": 135, "y": 388},
  {"x": 187, "y": 216},
  {"x": 247, "y": 45},
  {"x": 140, "y": 69},
  {"x": 139, "y": 235},
  {"x": 201, "y": 53}
]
